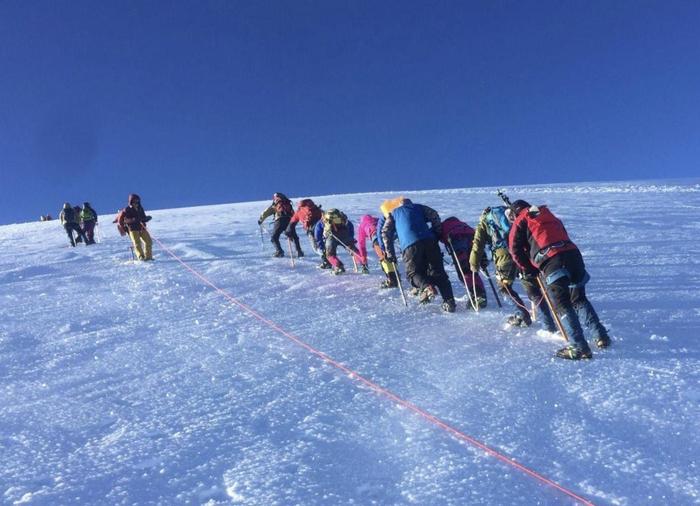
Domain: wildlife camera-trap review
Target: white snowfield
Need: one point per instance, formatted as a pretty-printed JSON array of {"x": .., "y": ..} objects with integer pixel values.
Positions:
[{"x": 137, "y": 383}]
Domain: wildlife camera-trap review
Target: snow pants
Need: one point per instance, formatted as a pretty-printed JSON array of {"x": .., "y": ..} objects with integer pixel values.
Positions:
[
  {"x": 291, "y": 232},
  {"x": 506, "y": 271},
  {"x": 340, "y": 235},
  {"x": 71, "y": 227},
  {"x": 279, "y": 226},
  {"x": 143, "y": 244},
  {"x": 565, "y": 277},
  {"x": 424, "y": 267},
  {"x": 89, "y": 230}
]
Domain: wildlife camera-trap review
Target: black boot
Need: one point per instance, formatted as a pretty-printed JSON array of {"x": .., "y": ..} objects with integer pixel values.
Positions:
[{"x": 449, "y": 306}]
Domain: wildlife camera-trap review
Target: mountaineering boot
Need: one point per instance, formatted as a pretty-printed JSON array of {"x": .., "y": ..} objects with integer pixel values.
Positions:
[
  {"x": 325, "y": 264},
  {"x": 426, "y": 295},
  {"x": 480, "y": 303},
  {"x": 415, "y": 291},
  {"x": 573, "y": 352},
  {"x": 300, "y": 253},
  {"x": 389, "y": 283},
  {"x": 338, "y": 270},
  {"x": 602, "y": 342},
  {"x": 449, "y": 306},
  {"x": 278, "y": 254},
  {"x": 519, "y": 319},
  {"x": 364, "y": 269}
]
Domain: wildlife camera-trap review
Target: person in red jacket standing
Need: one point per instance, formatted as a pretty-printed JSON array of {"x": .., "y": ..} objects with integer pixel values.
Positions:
[{"x": 539, "y": 243}]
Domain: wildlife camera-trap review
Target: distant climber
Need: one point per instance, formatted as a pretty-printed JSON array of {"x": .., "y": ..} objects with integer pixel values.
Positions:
[{"x": 69, "y": 219}]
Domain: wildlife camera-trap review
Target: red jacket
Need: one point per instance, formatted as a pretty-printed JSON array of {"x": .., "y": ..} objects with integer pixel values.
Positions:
[
  {"x": 537, "y": 235},
  {"x": 307, "y": 214}
]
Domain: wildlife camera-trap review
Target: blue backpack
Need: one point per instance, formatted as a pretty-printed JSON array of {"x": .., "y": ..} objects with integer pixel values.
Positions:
[{"x": 499, "y": 226}]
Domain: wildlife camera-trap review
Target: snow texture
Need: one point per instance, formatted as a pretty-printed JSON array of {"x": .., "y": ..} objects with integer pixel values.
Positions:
[{"x": 136, "y": 383}]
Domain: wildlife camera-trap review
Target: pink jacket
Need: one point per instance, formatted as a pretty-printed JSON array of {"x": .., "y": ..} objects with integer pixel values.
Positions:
[{"x": 367, "y": 230}]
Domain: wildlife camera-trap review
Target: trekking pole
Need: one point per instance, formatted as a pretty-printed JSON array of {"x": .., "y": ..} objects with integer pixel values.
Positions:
[
  {"x": 352, "y": 253},
  {"x": 262, "y": 241},
  {"x": 398, "y": 280},
  {"x": 291, "y": 254},
  {"x": 493, "y": 288},
  {"x": 458, "y": 268},
  {"x": 545, "y": 294}
]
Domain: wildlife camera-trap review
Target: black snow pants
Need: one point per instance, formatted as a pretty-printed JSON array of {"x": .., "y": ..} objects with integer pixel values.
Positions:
[{"x": 424, "y": 267}]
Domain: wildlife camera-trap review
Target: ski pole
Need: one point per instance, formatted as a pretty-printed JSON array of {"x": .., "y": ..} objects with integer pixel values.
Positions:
[
  {"x": 493, "y": 288},
  {"x": 545, "y": 294},
  {"x": 352, "y": 253},
  {"x": 291, "y": 254},
  {"x": 458, "y": 268},
  {"x": 398, "y": 280}
]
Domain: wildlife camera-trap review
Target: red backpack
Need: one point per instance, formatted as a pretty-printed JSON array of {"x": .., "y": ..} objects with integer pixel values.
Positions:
[
  {"x": 309, "y": 213},
  {"x": 545, "y": 228}
]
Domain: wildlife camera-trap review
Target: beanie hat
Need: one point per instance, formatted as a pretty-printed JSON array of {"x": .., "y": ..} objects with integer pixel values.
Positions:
[{"x": 519, "y": 205}]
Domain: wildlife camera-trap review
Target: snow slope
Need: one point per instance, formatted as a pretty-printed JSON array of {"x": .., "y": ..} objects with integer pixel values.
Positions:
[{"x": 133, "y": 383}]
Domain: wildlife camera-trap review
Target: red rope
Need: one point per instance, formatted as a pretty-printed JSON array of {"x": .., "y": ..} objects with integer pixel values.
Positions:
[{"x": 377, "y": 388}]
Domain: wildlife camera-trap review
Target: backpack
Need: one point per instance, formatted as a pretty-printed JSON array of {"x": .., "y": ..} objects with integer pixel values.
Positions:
[
  {"x": 457, "y": 233},
  {"x": 69, "y": 215},
  {"x": 311, "y": 213},
  {"x": 498, "y": 226},
  {"x": 283, "y": 206},
  {"x": 545, "y": 228},
  {"x": 336, "y": 218}
]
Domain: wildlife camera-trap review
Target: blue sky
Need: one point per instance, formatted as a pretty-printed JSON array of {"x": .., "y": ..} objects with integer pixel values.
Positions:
[{"x": 208, "y": 102}]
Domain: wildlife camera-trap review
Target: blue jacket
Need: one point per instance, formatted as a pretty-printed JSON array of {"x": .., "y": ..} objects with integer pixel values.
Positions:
[
  {"x": 410, "y": 223},
  {"x": 318, "y": 236}
]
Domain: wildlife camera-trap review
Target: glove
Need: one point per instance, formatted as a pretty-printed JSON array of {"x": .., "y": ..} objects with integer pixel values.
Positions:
[
  {"x": 390, "y": 258},
  {"x": 484, "y": 262},
  {"x": 474, "y": 268},
  {"x": 260, "y": 222},
  {"x": 148, "y": 218}
]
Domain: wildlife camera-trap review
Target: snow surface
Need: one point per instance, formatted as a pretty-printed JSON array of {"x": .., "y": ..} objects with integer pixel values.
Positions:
[{"x": 136, "y": 383}]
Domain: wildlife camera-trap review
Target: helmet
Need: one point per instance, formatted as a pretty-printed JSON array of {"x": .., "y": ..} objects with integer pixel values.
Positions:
[
  {"x": 86, "y": 204},
  {"x": 519, "y": 205},
  {"x": 66, "y": 205}
]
